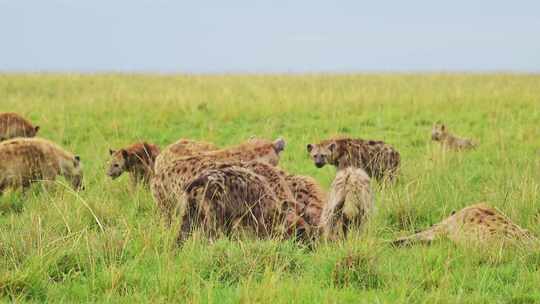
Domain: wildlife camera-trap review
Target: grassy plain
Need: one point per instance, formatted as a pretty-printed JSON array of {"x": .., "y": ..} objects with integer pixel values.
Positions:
[{"x": 107, "y": 244}]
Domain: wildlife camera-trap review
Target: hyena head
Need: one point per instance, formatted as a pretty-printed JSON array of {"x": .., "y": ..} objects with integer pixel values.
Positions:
[
  {"x": 118, "y": 163},
  {"x": 32, "y": 131},
  {"x": 438, "y": 132},
  {"x": 268, "y": 153},
  {"x": 72, "y": 171},
  {"x": 322, "y": 153}
]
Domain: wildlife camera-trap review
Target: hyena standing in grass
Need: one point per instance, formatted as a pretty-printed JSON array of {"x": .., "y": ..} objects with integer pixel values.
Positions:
[
  {"x": 13, "y": 125},
  {"x": 478, "y": 223},
  {"x": 440, "y": 133},
  {"x": 233, "y": 198},
  {"x": 181, "y": 148},
  {"x": 137, "y": 160},
  {"x": 24, "y": 161},
  {"x": 380, "y": 160},
  {"x": 169, "y": 182},
  {"x": 350, "y": 203},
  {"x": 311, "y": 198}
]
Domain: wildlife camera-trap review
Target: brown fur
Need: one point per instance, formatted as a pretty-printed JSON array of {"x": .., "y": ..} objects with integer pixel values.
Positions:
[
  {"x": 230, "y": 198},
  {"x": 26, "y": 160},
  {"x": 441, "y": 134},
  {"x": 168, "y": 183},
  {"x": 13, "y": 125},
  {"x": 181, "y": 148},
  {"x": 350, "y": 203},
  {"x": 379, "y": 160},
  {"x": 137, "y": 159},
  {"x": 478, "y": 223},
  {"x": 309, "y": 196}
]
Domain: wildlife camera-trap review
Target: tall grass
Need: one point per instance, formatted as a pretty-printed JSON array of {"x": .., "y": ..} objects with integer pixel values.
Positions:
[{"x": 108, "y": 243}]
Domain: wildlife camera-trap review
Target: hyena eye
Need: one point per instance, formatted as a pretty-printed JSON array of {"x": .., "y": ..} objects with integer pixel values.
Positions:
[{"x": 116, "y": 165}]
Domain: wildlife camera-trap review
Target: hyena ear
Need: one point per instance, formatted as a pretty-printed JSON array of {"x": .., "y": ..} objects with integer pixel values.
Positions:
[
  {"x": 279, "y": 144},
  {"x": 36, "y": 129},
  {"x": 124, "y": 154},
  {"x": 147, "y": 149},
  {"x": 76, "y": 160},
  {"x": 111, "y": 151},
  {"x": 443, "y": 127},
  {"x": 332, "y": 147},
  {"x": 309, "y": 147}
]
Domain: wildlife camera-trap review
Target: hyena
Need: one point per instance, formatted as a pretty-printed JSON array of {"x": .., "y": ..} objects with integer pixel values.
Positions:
[
  {"x": 234, "y": 198},
  {"x": 27, "y": 160},
  {"x": 380, "y": 160},
  {"x": 478, "y": 223},
  {"x": 13, "y": 125},
  {"x": 310, "y": 196},
  {"x": 441, "y": 134},
  {"x": 350, "y": 203},
  {"x": 181, "y": 148},
  {"x": 168, "y": 183},
  {"x": 137, "y": 160}
]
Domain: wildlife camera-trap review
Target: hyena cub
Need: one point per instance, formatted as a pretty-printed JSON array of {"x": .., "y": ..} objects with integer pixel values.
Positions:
[
  {"x": 137, "y": 159},
  {"x": 440, "y": 133},
  {"x": 477, "y": 223},
  {"x": 13, "y": 125},
  {"x": 27, "y": 160},
  {"x": 380, "y": 160},
  {"x": 350, "y": 203},
  {"x": 231, "y": 199}
]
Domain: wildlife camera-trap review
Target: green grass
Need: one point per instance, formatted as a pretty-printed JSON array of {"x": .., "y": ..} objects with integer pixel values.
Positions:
[{"x": 108, "y": 244}]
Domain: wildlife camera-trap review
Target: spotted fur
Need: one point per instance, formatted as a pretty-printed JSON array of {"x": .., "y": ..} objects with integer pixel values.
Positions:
[
  {"x": 181, "y": 148},
  {"x": 168, "y": 183},
  {"x": 379, "y": 160},
  {"x": 233, "y": 198},
  {"x": 478, "y": 223},
  {"x": 310, "y": 197}
]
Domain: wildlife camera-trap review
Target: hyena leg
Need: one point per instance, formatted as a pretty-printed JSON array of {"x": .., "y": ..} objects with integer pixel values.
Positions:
[{"x": 188, "y": 223}]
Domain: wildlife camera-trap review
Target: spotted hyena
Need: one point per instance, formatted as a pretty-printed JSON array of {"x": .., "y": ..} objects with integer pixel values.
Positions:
[
  {"x": 310, "y": 196},
  {"x": 27, "y": 160},
  {"x": 440, "y": 133},
  {"x": 168, "y": 183},
  {"x": 350, "y": 203},
  {"x": 235, "y": 198},
  {"x": 137, "y": 160},
  {"x": 181, "y": 148},
  {"x": 379, "y": 160},
  {"x": 13, "y": 125},
  {"x": 477, "y": 223}
]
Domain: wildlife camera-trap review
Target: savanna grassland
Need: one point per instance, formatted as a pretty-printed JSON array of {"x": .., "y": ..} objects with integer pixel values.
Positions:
[{"x": 108, "y": 244}]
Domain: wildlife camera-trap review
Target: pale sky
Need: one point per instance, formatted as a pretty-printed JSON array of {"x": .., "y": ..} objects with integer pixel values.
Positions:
[{"x": 269, "y": 36}]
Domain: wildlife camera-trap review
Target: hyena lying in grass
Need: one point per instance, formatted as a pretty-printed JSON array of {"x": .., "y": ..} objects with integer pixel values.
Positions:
[
  {"x": 478, "y": 223},
  {"x": 441, "y": 134},
  {"x": 232, "y": 199},
  {"x": 137, "y": 160},
  {"x": 380, "y": 161},
  {"x": 350, "y": 203},
  {"x": 24, "y": 161},
  {"x": 13, "y": 125}
]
